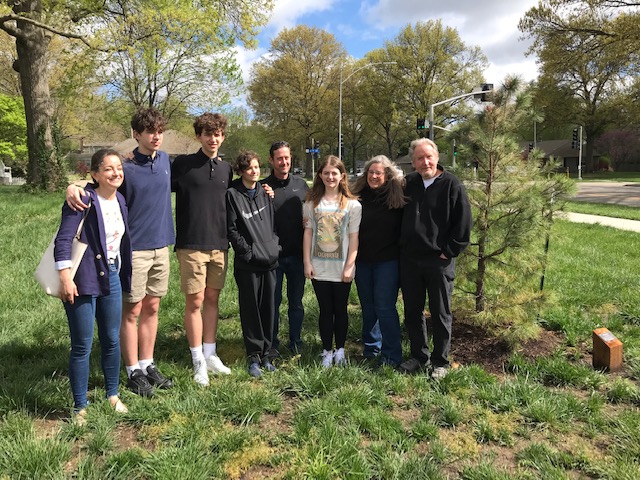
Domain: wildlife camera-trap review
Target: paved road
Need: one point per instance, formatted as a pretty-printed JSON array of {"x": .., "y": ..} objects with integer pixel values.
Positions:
[{"x": 619, "y": 193}]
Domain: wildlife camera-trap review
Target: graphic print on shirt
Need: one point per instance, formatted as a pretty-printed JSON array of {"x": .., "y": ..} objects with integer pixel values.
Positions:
[{"x": 330, "y": 228}]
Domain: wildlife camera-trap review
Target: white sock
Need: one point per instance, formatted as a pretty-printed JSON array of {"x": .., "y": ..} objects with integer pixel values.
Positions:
[
  {"x": 144, "y": 364},
  {"x": 131, "y": 368},
  {"x": 196, "y": 353},
  {"x": 209, "y": 349}
]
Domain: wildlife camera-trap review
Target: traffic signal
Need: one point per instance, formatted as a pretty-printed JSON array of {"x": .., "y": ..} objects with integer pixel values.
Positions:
[
  {"x": 486, "y": 87},
  {"x": 575, "y": 143},
  {"x": 317, "y": 145},
  {"x": 455, "y": 150},
  {"x": 421, "y": 124},
  {"x": 530, "y": 146}
]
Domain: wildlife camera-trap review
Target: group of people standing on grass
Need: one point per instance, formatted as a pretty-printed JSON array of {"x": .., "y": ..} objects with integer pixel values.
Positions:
[{"x": 386, "y": 232}]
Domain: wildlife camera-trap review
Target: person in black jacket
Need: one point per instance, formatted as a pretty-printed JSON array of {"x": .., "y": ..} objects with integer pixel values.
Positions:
[
  {"x": 436, "y": 227},
  {"x": 290, "y": 192},
  {"x": 380, "y": 189},
  {"x": 251, "y": 231}
]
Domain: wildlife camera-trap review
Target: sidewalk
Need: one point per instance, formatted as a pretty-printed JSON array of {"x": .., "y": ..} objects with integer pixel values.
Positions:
[{"x": 621, "y": 223}]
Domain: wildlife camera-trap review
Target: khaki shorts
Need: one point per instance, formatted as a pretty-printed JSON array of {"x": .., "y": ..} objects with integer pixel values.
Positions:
[
  {"x": 201, "y": 268},
  {"x": 150, "y": 274}
]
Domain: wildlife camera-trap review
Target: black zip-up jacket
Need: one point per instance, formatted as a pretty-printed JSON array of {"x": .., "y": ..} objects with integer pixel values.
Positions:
[
  {"x": 437, "y": 219},
  {"x": 289, "y": 196},
  {"x": 251, "y": 228}
]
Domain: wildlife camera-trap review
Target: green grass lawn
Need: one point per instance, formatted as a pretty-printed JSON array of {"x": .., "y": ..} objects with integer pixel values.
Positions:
[
  {"x": 604, "y": 209},
  {"x": 550, "y": 417},
  {"x": 612, "y": 177}
]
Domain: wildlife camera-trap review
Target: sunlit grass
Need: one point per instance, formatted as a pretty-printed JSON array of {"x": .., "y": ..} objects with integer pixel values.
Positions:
[{"x": 307, "y": 422}]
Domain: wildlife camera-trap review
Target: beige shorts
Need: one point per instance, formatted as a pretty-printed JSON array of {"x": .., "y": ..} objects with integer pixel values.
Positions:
[
  {"x": 150, "y": 274},
  {"x": 201, "y": 268}
]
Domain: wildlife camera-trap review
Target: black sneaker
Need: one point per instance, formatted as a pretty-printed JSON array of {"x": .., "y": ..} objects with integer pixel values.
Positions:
[
  {"x": 412, "y": 365},
  {"x": 156, "y": 379},
  {"x": 139, "y": 384}
]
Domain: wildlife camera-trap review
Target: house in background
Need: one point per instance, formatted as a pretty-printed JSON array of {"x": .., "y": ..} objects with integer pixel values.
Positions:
[
  {"x": 562, "y": 152},
  {"x": 174, "y": 143}
]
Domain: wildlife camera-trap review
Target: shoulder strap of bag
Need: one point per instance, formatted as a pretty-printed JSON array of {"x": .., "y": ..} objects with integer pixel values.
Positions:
[{"x": 84, "y": 216}]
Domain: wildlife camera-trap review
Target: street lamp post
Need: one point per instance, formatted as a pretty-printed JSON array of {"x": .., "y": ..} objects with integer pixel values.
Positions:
[{"x": 340, "y": 105}]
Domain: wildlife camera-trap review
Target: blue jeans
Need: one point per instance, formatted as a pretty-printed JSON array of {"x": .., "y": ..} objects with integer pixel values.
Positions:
[
  {"x": 293, "y": 268},
  {"x": 378, "y": 292},
  {"x": 107, "y": 312}
]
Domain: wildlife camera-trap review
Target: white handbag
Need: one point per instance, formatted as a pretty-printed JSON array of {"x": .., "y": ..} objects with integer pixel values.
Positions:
[{"x": 46, "y": 273}]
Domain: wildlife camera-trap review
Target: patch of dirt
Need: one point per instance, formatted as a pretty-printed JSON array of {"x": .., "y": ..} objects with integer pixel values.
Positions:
[{"x": 472, "y": 344}]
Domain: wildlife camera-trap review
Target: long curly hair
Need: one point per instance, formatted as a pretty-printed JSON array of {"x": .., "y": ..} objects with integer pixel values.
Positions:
[
  {"x": 392, "y": 191},
  {"x": 317, "y": 191}
]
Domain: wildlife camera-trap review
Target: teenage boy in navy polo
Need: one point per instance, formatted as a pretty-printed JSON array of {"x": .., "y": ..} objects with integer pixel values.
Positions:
[
  {"x": 147, "y": 191},
  {"x": 200, "y": 181},
  {"x": 290, "y": 191}
]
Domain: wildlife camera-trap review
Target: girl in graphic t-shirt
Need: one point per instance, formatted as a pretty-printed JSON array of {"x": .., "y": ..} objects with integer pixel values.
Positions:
[{"x": 330, "y": 246}]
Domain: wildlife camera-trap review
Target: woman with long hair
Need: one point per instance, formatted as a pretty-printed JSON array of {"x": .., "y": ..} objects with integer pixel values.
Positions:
[
  {"x": 380, "y": 189},
  {"x": 330, "y": 246}
]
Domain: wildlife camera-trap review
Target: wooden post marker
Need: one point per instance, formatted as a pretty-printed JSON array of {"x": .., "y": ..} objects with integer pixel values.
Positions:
[{"x": 607, "y": 350}]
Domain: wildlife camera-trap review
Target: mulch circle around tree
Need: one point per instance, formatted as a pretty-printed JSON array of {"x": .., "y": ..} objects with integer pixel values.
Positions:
[{"x": 473, "y": 344}]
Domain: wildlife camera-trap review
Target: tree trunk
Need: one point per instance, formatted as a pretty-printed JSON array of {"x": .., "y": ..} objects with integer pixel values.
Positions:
[{"x": 44, "y": 170}]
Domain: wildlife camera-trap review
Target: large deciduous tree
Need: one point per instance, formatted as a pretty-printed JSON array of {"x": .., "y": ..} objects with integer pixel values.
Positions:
[
  {"x": 110, "y": 25},
  {"x": 588, "y": 51},
  {"x": 293, "y": 89},
  {"x": 432, "y": 65}
]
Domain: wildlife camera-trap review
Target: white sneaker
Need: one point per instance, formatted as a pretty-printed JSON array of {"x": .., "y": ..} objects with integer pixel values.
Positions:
[
  {"x": 215, "y": 365},
  {"x": 339, "y": 358},
  {"x": 200, "y": 375},
  {"x": 327, "y": 358},
  {"x": 439, "y": 373}
]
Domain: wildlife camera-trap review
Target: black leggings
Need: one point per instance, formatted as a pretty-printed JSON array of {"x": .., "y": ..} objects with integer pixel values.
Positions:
[{"x": 332, "y": 300}]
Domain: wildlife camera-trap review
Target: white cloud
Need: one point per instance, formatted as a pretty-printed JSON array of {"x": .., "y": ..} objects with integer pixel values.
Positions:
[
  {"x": 287, "y": 12},
  {"x": 493, "y": 26}
]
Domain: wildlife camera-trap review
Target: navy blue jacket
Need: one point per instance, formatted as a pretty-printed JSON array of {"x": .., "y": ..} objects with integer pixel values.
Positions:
[{"x": 92, "y": 277}]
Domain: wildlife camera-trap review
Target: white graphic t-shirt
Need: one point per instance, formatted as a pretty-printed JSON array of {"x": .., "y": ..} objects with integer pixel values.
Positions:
[
  {"x": 113, "y": 226},
  {"x": 331, "y": 228}
]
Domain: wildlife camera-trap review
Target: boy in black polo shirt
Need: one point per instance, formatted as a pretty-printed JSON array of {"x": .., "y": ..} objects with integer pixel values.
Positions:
[{"x": 200, "y": 181}]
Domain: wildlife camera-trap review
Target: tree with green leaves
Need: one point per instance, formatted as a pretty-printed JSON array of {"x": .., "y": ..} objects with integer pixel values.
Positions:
[
  {"x": 432, "y": 64},
  {"x": 106, "y": 26},
  {"x": 589, "y": 54},
  {"x": 294, "y": 90},
  {"x": 13, "y": 141},
  {"x": 513, "y": 200}
]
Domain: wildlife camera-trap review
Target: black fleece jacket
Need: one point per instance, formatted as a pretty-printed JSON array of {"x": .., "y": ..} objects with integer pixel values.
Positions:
[
  {"x": 251, "y": 228},
  {"x": 437, "y": 219}
]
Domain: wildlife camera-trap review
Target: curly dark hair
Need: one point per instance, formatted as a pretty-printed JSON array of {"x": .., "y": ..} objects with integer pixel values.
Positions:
[
  {"x": 149, "y": 119},
  {"x": 210, "y": 123}
]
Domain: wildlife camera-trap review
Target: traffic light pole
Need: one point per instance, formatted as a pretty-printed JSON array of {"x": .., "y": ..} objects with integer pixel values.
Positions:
[{"x": 449, "y": 100}]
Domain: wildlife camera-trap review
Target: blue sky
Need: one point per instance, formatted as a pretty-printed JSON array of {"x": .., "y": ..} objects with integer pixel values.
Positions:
[{"x": 363, "y": 25}]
